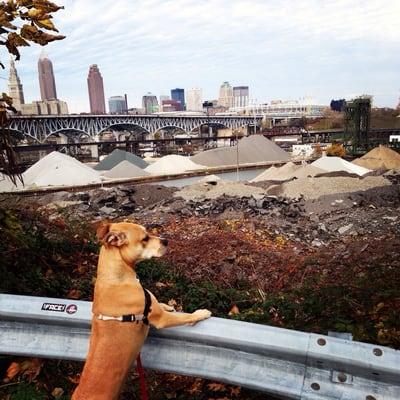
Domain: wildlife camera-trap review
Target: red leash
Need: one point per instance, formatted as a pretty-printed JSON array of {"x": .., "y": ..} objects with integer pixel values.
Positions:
[{"x": 140, "y": 370}]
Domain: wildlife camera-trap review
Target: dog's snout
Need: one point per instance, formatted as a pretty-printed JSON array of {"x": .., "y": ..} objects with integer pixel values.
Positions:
[{"x": 164, "y": 242}]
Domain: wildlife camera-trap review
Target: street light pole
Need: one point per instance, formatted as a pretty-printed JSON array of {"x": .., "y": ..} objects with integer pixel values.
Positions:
[{"x": 255, "y": 120}]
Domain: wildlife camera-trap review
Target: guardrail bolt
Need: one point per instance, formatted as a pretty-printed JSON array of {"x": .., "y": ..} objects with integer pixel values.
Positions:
[
  {"x": 342, "y": 377},
  {"x": 315, "y": 386},
  {"x": 377, "y": 352},
  {"x": 321, "y": 342}
]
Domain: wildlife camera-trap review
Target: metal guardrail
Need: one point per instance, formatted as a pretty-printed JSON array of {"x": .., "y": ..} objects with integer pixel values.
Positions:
[{"x": 285, "y": 363}]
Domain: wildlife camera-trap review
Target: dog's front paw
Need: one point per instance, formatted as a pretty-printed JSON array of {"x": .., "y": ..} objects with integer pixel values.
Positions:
[{"x": 200, "y": 315}]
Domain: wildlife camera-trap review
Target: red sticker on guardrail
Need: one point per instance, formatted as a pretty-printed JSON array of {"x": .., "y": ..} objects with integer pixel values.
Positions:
[{"x": 71, "y": 309}]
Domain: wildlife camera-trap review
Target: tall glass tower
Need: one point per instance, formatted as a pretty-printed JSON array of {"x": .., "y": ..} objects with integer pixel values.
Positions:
[{"x": 179, "y": 95}]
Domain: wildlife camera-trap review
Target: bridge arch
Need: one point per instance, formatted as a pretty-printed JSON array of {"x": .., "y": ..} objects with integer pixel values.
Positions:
[
  {"x": 68, "y": 133},
  {"x": 140, "y": 130},
  {"x": 211, "y": 124},
  {"x": 168, "y": 128}
]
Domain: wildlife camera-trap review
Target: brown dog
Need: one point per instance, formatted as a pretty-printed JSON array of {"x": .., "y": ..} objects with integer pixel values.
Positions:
[{"x": 122, "y": 310}]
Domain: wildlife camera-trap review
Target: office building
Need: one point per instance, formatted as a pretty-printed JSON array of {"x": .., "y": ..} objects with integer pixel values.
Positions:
[
  {"x": 225, "y": 98},
  {"x": 41, "y": 107},
  {"x": 240, "y": 96},
  {"x": 164, "y": 97},
  {"x": 96, "y": 91},
  {"x": 150, "y": 103},
  {"x": 170, "y": 105},
  {"x": 47, "y": 81},
  {"x": 117, "y": 105},
  {"x": 194, "y": 100},
  {"x": 179, "y": 95},
  {"x": 15, "y": 90}
]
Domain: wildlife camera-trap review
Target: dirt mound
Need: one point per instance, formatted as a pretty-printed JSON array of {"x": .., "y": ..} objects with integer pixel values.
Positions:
[
  {"x": 379, "y": 158},
  {"x": 278, "y": 174}
]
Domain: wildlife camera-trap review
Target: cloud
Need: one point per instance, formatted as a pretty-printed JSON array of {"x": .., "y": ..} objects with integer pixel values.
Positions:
[{"x": 282, "y": 49}]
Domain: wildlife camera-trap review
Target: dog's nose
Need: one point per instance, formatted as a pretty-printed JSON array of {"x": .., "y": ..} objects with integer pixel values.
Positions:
[{"x": 164, "y": 242}]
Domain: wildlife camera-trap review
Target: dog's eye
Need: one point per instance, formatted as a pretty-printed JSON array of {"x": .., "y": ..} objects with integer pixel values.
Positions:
[{"x": 146, "y": 239}]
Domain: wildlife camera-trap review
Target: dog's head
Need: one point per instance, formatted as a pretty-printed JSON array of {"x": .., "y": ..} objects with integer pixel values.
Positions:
[{"x": 132, "y": 240}]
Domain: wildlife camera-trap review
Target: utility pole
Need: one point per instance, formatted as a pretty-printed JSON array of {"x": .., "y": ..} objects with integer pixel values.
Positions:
[{"x": 254, "y": 113}]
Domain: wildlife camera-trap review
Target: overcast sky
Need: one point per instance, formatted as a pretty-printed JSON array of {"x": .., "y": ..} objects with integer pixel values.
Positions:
[{"x": 281, "y": 49}]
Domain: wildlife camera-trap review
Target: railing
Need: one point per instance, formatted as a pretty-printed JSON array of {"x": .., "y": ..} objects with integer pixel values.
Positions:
[{"x": 285, "y": 363}]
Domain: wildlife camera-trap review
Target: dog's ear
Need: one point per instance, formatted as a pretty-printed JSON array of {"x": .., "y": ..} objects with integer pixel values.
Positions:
[
  {"x": 117, "y": 239},
  {"x": 102, "y": 229}
]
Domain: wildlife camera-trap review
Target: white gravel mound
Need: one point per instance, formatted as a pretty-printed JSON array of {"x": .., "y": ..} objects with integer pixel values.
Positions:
[
  {"x": 125, "y": 169},
  {"x": 172, "y": 164},
  {"x": 57, "y": 169},
  {"x": 209, "y": 179},
  {"x": 335, "y": 164}
]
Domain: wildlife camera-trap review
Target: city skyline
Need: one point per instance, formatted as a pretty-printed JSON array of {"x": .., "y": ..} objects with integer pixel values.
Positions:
[{"x": 281, "y": 50}]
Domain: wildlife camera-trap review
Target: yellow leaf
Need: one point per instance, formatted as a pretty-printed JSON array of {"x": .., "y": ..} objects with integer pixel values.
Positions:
[{"x": 46, "y": 24}]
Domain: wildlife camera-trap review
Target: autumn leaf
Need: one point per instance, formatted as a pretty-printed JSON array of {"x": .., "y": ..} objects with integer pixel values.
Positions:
[
  {"x": 13, "y": 370},
  {"x": 217, "y": 387},
  {"x": 46, "y": 24},
  {"x": 235, "y": 391},
  {"x": 234, "y": 310},
  {"x": 57, "y": 392},
  {"x": 31, "y": 368}
]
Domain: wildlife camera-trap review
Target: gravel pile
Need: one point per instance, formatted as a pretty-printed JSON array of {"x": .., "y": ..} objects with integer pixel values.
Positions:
[
  {"x": 172, "y": 164},
  {"x": 117, "y": 156},
  {"x": 379, "y": 158},
  {"x": 55, "y": 169},
  {"x": 215, "y": 189},
  {"x": 252, "y": 149},
  {"x": 333, "y": 164},
  {"x": 312, "y": 188},
  {"x": 277, "y": 174},
  {"x": 125, "y": 170}
]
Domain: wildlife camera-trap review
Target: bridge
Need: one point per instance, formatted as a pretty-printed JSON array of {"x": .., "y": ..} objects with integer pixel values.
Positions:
[{"x": 40, "y": 128}]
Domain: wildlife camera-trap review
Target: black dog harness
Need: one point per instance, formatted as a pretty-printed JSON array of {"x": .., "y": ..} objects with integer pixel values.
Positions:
[{"x": 133, "y": 317}]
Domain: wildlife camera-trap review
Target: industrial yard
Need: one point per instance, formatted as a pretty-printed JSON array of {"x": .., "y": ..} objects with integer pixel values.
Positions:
[{"x": 312, "y": 247}]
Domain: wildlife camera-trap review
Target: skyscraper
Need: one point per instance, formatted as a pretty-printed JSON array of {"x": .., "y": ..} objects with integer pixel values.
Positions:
[
  {"x": 15, "y": 90},
  {"x": 194, "y": 100},
  {"x": 225, "y": 98},
  {"x": 179, "y": 95},
  {"x": 117, "y": 105},
  {"x": 46, "y": 78},
  {"x": 96, "y": 91},
  {"x": 150, "y": 103},
  {"x": 240, "y": 96}
]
